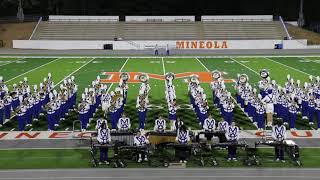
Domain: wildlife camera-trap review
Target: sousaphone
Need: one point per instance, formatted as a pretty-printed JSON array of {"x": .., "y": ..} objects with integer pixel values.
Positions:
[
  {"x": 243, "y": 78},
  {"x": 216, "y": 74},
  {"x": 144, "y": 78},
  {"x": 124, "y": 76},
  {"x": 264, "y": 73},
  {"x": 170, "y": 76}
]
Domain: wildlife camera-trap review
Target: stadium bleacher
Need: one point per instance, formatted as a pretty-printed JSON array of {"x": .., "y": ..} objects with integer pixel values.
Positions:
[{"x": 108, "y": 30}]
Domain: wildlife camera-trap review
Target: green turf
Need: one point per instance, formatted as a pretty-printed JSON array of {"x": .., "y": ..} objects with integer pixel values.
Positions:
[
  {"x": 18, "y": 68},
  {"x": 86, "y": 69},
  {"x": 307, "y": 65},
  {"x": 80, "y": 158}
]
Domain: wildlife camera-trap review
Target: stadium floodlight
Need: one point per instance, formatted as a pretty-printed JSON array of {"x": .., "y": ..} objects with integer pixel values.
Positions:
[{"x": 301, "y": 18}]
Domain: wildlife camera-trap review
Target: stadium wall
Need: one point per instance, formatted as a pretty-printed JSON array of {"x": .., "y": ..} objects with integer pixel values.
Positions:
[
  {"x": 159, "y": 18},
  {"x": 141, "y": 45},
  {"x": 83, "y": 18},
  {"x": 238, "y": 18}
]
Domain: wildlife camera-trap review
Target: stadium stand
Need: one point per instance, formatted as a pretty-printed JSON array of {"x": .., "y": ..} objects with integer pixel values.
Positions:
[{"x": 238, "y": 29}]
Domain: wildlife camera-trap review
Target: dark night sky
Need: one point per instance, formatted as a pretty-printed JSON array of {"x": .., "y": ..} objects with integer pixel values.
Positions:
[{"x": 287, "y": 8}]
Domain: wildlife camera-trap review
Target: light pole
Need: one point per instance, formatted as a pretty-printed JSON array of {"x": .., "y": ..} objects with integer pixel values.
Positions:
[
  {"x": 301, "y": 18},
  {"x": 20, "y": 14}
]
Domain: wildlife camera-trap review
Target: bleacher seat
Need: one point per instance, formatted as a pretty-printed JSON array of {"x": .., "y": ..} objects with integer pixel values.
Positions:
[{"x": 226, "y": 30}]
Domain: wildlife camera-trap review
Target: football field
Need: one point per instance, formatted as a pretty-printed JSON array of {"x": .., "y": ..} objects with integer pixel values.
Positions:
[{"x": 86, "y": 69}]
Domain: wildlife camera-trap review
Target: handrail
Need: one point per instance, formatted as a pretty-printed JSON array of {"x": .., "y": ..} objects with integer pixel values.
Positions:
[
  {"x": 34, "y": 30},
  {"x": 285, "y": 28}
]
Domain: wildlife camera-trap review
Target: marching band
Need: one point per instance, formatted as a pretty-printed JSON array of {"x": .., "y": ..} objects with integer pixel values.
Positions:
[
  {"x": 282, "y": 102},
  {"x": 27, "y": 105},
  {"x": 270, "y": 101}
]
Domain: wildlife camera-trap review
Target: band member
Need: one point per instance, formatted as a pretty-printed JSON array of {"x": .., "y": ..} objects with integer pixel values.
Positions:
[
  {"x": 278, "y": 135},
  {"x": 232, "y": 136},
  {"x": 269, "y": 100},
  {"x": 260, "y": 114},
  {"x": 318, "y": 111},
  {"x": 305, "y": 100},
  {"x": 182, "y": 138},
  {"x": 124, "y": 123},
  {"x": 7, "y": 99},
  {"x": 99, "y": 123},
  {"x": 223, "y": 126},
  {"x": 209, "y": 124},
  {"x": 21, "y": 115},
  {"x": 311, "y": 109},
  {"x": 142, "y": 110},
  {"x": 83, "y": 114},
  {"x": 104, "y": 138},
  {"x": 177, "y": 125},
  {"x": 228, "y": 111},
  {"x": 30, "y": 107},
  {"x": 160, "y": 124},
  {"x": 172, "y": 110},
  {"x": 293, "y": 109},
  {"x": 51, "y": 111},
  {"x": 15, "y": 97},
  {"x": 1, "y": 111},
  {"x": 141, "y": 141}
]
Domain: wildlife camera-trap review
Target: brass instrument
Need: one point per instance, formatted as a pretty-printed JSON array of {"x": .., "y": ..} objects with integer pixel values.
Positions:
[
  {"x": 112, "y": 106},
  {"x": 170, "y": 76},
  {"x": 144, "y": 78},
  {"x": 264, "y": 73},
  {"x": 194, "y": 78},
  {"x": 82, "y": 106},
  {"x": 243, "y": 78},
  {"x": 216, "y": 74},
  {"x": 125, "y": 76}
]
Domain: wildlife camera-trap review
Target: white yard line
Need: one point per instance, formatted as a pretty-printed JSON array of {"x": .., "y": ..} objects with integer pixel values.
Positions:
[
  {"x": 202, "y": 64},
  {"x": 289, "y": 67},
  {"x": 11, "y": 62},
  {"x": 32, "y": 70},
  {"x": 74, "y": 71},
  {"x": 245, "y": 66},
  {"x": 119, "y": 71},
  {"x": 307, "y": 58},
  {"x": 163, "y": 67},
  {"x": 164, "y": 71}
]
